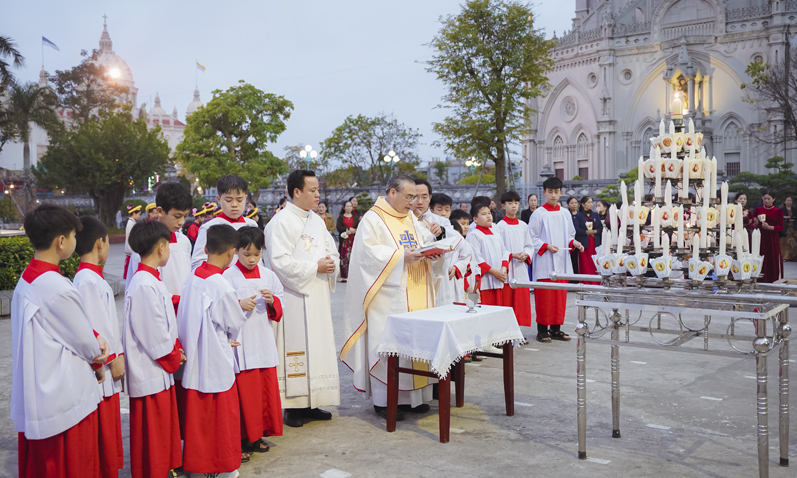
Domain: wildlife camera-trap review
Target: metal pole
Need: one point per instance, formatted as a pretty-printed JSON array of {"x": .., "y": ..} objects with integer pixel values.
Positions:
[
  {"x": 783, "y": 411},
  {"x": 616, "y": 375},
  {"x": 761, "y": 345},
  {"x": 581, "y": 383}
]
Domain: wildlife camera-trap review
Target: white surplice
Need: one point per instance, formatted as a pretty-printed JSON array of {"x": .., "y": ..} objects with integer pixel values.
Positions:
[
  {"x": 199, "y": 255},
  {"x": 307, "y": 298},
  {"x": 516, "y": 239},
  {"x": 549, "y": 225},
  {"x": 461, "y": 258},
  {"x": 100, "y": 305},
  {"x": 176, "y": 271},
  {"x": 208, "y": 317},
  {"x": 52, "y": 345},
  {"x": 258, "y": 347},
  {"x": 444, "y": 294},
  {"x": 149, "y": 331},
  {"x": 377, "y": 288},
  {"x": 488, "y": 252},
  {"x": 128, "y": 227}
]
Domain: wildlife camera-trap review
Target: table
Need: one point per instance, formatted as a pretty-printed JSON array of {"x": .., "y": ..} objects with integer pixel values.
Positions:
[{"x": 441, "y": 337}]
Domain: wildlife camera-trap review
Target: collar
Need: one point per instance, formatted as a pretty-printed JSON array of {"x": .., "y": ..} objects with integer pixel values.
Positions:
[
  {"x": 548, "y": 207},
  {"x": 253, "y": 273},
  {"x": 37, "y": 268},
  {"x": 511, "y": 221},
  {"x": 91, "y": 267},
  {"x": 296, "y": 210},
  {"x": 485, "y": 230},
  {"x": 173, "y": 239},
  {"x": 382, "y": 204},
  {"x": 206, "y": 270},
  {"x": 228, "y": 219},
  {"x": 151, "y": 270}
]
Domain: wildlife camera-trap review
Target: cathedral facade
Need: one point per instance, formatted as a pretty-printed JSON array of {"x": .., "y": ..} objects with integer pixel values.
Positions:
[{"x": 618, "y": 70}]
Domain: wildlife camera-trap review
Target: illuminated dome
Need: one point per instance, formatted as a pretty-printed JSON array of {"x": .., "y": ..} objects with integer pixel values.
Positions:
[
  {"x": 194, "y": 105},
  {"x": 115, "y": 66}
]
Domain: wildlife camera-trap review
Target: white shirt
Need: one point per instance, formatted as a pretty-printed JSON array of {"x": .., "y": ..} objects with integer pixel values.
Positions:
[
  {"x": 516, "y": 239},
  {"x": 199, "y": 256},
  {"x": 176, "y": 271}
]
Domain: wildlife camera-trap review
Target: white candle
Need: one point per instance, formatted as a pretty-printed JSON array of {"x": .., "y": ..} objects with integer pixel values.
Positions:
[
  {"x": 657, "y": 165},
  {"x": 691, "y": 126},
  {"x": 724, "y": 194},
  {"x": 703, "y": 228},
  {"x": 696, "y": 246},
  {"x": 672, "y": 126},
  {"x": 656, "y": 230},
  {"x": 668, "y": 195},
  {"x": 607, "y": 240},
  {"x": 739, "y": 219},
  {"x": 756, "y": 249},
  {"x": 714, "y": 178},
  {"x": 623, "y": 228},
  {"x": 706, "y": 183},
  {"x": 666, "y": 245},
  {"x": 613, "y": 219},
  {"x": 661, "y": 128},
  {"x": 723, "y": 234},
  {"x": 685, "y": 184},
  {"x": 637, "y": 242},
  {"x": 624, "y": 193},
  {"x": 638, "y": 192},
  {"x": 641, "y": 167},
  {"x": 739, "y": 240},
  {"x": 681, "y": 226}
]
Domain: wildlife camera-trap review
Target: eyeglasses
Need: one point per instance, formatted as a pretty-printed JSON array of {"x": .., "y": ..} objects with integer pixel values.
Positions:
[{"x": 408, "y": 198}]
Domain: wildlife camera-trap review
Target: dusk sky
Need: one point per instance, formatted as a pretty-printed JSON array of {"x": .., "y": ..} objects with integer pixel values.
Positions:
[{"x": 331, "y": 59}]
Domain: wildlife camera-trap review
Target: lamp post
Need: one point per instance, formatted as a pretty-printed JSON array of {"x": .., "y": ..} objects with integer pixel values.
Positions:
[
  {"x": 391, "y": 159},
  {"x": 308, "y": 154},
  {"x": 473, "y": 163}
]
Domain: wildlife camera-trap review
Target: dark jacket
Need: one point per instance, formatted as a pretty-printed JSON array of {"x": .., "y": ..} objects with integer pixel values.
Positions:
[
  {"x": 342, "y": 227},
  {"x": 580, "y": 223},
  {"x": 525, "y": 215}
]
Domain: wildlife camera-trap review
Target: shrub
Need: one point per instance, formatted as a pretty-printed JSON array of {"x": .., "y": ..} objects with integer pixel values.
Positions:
[
  {"x": 15, "y": 255},
  {"x": 487, "y": 178}
]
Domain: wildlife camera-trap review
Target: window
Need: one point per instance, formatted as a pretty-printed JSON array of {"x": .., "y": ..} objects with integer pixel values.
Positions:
[
  {"x": 732, "y": 137},
  {"x": 558, "y": 148},
  {"x": 732, "y": 169},
  {"x": 582, "y": 146},
  {"x": 560, "y": 173},
  {"x": 584, "y": 173}
]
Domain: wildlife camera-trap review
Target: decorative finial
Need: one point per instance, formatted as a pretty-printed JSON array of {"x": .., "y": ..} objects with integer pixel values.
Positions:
[{"x": 105, "y": 20}]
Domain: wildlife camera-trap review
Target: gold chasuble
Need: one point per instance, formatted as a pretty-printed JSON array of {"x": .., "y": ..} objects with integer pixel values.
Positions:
[{"x": 381, "y": 284}]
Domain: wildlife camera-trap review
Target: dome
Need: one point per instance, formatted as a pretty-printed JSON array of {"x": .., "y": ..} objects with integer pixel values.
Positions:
[
  {"x": 115, "y": 66},
  {"x": 194, "y": 105},
  {"x": 157, "y": 109}
]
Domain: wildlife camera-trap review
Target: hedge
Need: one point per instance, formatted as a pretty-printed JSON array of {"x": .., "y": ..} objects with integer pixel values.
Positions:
[{"x": 15, "y": 255}]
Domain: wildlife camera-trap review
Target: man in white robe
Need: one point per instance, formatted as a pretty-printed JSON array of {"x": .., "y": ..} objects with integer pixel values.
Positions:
[
  {"x": 387, "y": 277},
  {"x": 303, "y": 255}
]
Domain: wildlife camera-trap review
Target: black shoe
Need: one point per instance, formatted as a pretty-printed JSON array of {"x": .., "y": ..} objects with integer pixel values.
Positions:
[
  {"x": 422, "y": 408},
  {"x": 435, "y": 391},
  {"x": 292, "y": 418},
  {"x": 315, "y": 414},
  {"x": 382, "y": 412}
]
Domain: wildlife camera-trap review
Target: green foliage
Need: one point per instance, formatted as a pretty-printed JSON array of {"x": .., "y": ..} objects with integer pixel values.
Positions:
[
  {"x": 8, "y": 210},
  {"x": 229, "y": 135},
  {"x": 487, "y": 178},
  {"x": 134, "y": 203},
  {"x": 782, "y": 182},
  {"x": 491, "y": 59},
  {"x": 577, "y": 178},
  {"x": 441, "y": 171},
  {"x": 364, "y": 203},
  {"x": 9, "y": 52},
  {"x": 346, "y": 176},
  {"x": 611, "y": 192},
  {"x": 198, "y": 201},
  {"x": 15, "y": 255},
  {"x": 105, "y": 158},
  {"x": 115, "y": 231}
]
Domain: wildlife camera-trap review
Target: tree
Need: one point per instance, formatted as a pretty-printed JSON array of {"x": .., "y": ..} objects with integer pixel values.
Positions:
[
  {"x": 9, "y": 57},
  {"x": 363, "y": 142},
  {"x": 229, "y": 135},
  {"x": 782, "y": 182},
  {"x": 29, "y": 104},
  {"x": 105, "y": 158},
  {"x": 441, "y": 171},
  {"x": 492, "y": 60},
  {"x": 87, "y": 90}
]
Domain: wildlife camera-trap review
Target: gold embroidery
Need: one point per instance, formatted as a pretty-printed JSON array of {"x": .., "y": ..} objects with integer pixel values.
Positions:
[{"x": 296, "y": 364}]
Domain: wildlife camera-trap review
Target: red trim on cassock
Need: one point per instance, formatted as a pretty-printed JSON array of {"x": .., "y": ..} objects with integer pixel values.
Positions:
[
  {"x": 259, "y": 399},
  {"x": 212, "y": 431},
  {"x": 485, "y": 230},
  {"x": 275, "y": 310},
  {"x": 37, "y": 268},
  {"x": 505, "y": 264},
  {"x": 550, "y": 305},
  {"x": 154, "y": 434},
  {"x": 512, "y": 221},
  {"x": 457, "y": 273},
  {"x": 175, "y": 303},
  {"x": 253, "y": 273},
  {"x": 92, "y": 267},
  {"x": 206, "y": 270},
  {"x": 542, "y": 249},
  {"x": 548, "y": 207},
  {"x": 171, "y": 361},
  {"x": 151, "y": 270},
  {"x": 484, "y": 268},
  {"x": 70, "y": 454},
  {"x": 127, "y": 265},
  {"x": 493, "y": 297},
  {"x": 112, "y": 458},
  {"x": 570, "y": 244},
  {"x": 173, "y": 238},
  {"x": 228, "y": 219}
]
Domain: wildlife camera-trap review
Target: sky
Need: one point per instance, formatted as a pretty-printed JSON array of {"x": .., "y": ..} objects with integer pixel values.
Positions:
[{"x": 332, "y": 59}]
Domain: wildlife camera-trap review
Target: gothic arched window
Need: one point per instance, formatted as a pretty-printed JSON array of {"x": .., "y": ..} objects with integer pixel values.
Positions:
[{"x": 582, "y": 146}]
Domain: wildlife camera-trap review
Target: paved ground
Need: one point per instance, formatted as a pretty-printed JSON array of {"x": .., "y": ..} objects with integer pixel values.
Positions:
[{"x": 683, "y": 415}]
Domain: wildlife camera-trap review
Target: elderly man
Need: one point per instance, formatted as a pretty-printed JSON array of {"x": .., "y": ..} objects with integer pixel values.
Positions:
[{"x": 388, "y": 277}]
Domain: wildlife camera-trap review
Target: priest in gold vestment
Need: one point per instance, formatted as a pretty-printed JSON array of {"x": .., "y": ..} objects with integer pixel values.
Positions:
[{"x": 388, "y": 277}]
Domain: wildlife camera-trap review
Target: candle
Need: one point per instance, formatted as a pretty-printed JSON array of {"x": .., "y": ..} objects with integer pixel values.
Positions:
[
  {"x": 624, "y": 193},
  {"x": 637, "y": 241},
  {"x": 607, "y": 240},
  {"x": 723, "y": 235},
  {"x": 685, "y": 186},
  {"x": 724, "y": 194},
  {"x": 638, "y": 192},
  {"x": 668, "y": 195},
  {"x": 681, "y": 226},
  {"x": 672, "y": 125},
  {"x": 756, "y": 249},
  {"x": 704, "y": 228},
  {"x": 739, "y": 240},
  {"x": 641, "y": 167},
  {"x": 696, "y": 246},
  {"x": 623, "y": 228},
  {"x": 739, "y": 223},
  {"x": 613, "y": 219},
  {"x": 666, "y": 245},
  {"x": 657, "y": 165},
  {"x": 707, "y": 183},
  {"x": 691, "y": 126},
  {"x": 661, "y": 128},
  {"x": 656, "y": 231},
  {"x": 714, "y": 178}
]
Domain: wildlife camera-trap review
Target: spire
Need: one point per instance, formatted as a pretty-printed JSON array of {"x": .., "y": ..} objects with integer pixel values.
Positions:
[
  {"x": 157, "y": 100},
  {"x": 174, "y": 113},
  {"x": 196, "y": 94},
  {"x": 106, "y": 45},
  {"x": 42, "y": 78}
]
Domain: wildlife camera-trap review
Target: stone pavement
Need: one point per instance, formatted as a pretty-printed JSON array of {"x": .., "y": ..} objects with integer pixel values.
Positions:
[{"x": 683, "y": 415}]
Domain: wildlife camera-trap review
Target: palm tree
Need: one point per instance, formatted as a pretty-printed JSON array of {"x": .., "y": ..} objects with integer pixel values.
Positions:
[
  {"x": 29, "y": 104},
  {"x": 9, "y": 49}
]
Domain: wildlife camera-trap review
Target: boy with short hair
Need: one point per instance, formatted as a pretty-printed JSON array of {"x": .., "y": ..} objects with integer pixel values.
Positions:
[
  {"x": 434, "y": 225},
  {"x": 457, "y": 262},
  {"x": 440, "y": 204},
  {"x": 231, "y": 197},
  {"x": 490, "y": 255},
  {"x": 463, "y": 276},
  {"x": 209, "y": 319},
  {"x": 256, "y": 357},
  {"x": 54, "y": 394},
  {"x": 552, "y": 235},
  {"x": 100, "y": 304},
  {"x": 517, "y": 241},
  {"x": 152, "y": 354},
  {"x": 463, "y": 218}
]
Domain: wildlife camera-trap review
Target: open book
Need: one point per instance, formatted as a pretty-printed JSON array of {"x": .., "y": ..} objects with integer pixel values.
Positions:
[{"x": 442, "y": 246}]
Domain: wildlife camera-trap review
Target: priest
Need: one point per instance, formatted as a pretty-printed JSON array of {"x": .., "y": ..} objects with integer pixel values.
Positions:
[
  {"x": 303, "y": 255},
  {"x": 388, "y": 277}
]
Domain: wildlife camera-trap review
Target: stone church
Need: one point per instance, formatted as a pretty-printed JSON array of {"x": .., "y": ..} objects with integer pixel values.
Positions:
[{"x": 616, "y": 72}]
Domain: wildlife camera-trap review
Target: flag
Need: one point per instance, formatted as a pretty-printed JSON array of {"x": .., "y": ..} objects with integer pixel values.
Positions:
[
  {"x": 50, "y": 44},
  {"x": 200, "y": 67}
]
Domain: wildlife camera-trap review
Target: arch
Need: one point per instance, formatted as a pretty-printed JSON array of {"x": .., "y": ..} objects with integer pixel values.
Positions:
[
  {"x": 555, "y": 131},
  {"x": 732, "y": 137},
  {"x": 728, "y": 118},
  {"x": 554, "y": 96},
  {"x": 578, "y": 130},
  {"x": 644, "y": 125},
  {"x": 655, "y": 73},
  {"x": 639, "y": 15},
  {"x": 558, "y": 148},
  {"x": 657, "y": 15},
  {"x": 582, "y": 146}
]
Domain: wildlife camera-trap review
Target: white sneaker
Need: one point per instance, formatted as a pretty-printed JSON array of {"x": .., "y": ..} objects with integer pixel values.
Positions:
[
  {"x": 231, "y": 474},
  {"x": 492, "y": 349}
]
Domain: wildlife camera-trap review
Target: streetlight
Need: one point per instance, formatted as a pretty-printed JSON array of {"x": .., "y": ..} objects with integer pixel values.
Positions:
[
  {"x": 391, "y": 159},
  {"x": 308, "y": 154},
  {"x": 472, "y": 163}
]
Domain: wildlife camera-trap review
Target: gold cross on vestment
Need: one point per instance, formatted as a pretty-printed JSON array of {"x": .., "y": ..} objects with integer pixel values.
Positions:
[{"x": 296, "y": 364}]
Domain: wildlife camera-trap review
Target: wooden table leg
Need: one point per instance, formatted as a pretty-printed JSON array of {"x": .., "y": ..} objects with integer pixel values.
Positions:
[
  {"x": 392, "y": 392},
  {"x": 459, "y": 380},
  {"x": 509, "y": 379},
  {"x": 444, "y": 401}
]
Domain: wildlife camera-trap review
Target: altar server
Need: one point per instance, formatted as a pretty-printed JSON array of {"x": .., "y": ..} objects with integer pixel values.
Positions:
[
  {"x": 173, "y": 202},
  {"x": 54, "y": 394},
  {"x": 490, "y": 256},
  {"x": 152, "y": 354},
  {"x": 517, "y": 241},
  {"x": 303, "y": 255},
  {"x": 435, "y": 226},
  {"x": 462, "y": 273},
  {"x": 209, "y": 320},
  {"x": 256, "y": 358},
  {"x": 100, "y": 304},
  {"x": 133, "y": 213},
  {"x": 553, "y": 236},
  {"x": 390, "y": 277},
  {"x": 231, "y": 198},
  {"x": 451, "y": 288}
]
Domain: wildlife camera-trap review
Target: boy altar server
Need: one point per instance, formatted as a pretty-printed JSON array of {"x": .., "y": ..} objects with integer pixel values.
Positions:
[
  {"x": 303, "y": 255},
  {"x": 100, "y": 305},
  {"x": 231, "y": 197},
  {"x": 489, "y": 255},
  {"x": 152, "y": 355},
  {"x": 54, "y": 394},
  {"x": 209, "y": 318},
  {"x": 552, "y": 234},
  {"x": 256, "y": 358},
  {"x": 517, "y": 241},
  {"x": 457, "y": 263}
]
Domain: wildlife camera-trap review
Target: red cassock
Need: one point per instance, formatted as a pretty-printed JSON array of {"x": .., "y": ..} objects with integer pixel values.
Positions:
[
  {"x": 585, "y": 263},
  {"x": 261, "y": 409},
  {"x": 212, "y": 432},
  {"x": 520, "y": 301},
  {"x": 69, "y": 454},
  {"x": 770, "y": 244},
  {"x": 154, "y": 435},
  {"x": 111, "y": 453},
  {"x": 550, "y": 304}
]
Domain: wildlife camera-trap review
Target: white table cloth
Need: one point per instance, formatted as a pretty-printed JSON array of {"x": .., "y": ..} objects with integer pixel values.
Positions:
[{"x": 443, "y": 335}]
